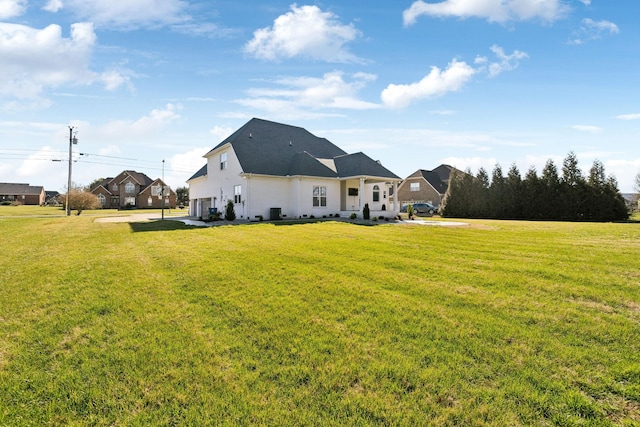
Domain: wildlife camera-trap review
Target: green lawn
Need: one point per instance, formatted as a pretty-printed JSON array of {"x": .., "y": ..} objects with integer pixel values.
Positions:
[
  {"x": 50, "y": 211},
  {"x": 495, "y": 323}
]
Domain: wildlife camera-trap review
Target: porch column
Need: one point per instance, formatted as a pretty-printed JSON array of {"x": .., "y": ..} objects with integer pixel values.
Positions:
[{"x": 361, "y": 195}]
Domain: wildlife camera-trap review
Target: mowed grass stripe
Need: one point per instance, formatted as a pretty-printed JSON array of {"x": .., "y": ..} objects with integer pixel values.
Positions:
[{"x": 496, "y": 323}]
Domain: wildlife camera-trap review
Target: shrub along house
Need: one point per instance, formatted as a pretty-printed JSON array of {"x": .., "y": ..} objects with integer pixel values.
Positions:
[
  {"x": 131, "y": 189},
  {"x": 274, "y": 170},
  {"x": 23, "y": 194}
]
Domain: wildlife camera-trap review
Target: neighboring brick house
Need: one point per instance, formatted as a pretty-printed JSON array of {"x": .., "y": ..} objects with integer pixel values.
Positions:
[
  {"x": 425, "y": 186},
  {"x": 131, "y": 189},
  {"x": 23, "y": 194}
]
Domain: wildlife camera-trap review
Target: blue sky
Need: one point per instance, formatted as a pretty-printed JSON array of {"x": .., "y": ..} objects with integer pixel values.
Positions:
[{"x": 410, "y": 83}]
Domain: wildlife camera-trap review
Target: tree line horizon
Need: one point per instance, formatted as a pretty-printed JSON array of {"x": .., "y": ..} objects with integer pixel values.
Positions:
[{"x": 569, "y": 196}]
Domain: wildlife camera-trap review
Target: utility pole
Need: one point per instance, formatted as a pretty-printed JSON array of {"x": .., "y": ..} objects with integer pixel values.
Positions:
[{"x": 72, "y": 140}]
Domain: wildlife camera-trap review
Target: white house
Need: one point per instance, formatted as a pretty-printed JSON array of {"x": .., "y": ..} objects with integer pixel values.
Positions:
[{"x": 278, "y": 171}]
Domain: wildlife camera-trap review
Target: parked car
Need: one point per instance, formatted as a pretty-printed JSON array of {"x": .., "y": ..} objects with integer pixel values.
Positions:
[{"x": 421, "y": 208}]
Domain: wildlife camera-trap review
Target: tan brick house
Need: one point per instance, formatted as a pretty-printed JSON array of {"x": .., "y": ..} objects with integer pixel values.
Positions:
[{"x": 427, "y": 186}]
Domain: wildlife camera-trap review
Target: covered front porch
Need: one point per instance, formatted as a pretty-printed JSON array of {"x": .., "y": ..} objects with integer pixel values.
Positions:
[{"x": 356, "y": 192}]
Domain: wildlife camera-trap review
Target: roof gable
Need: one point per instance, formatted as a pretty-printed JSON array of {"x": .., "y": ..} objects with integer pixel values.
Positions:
[
  {"x": 359, "y": 164},
  {"x": 201, "y": 172},
  {"x": 306, "y": 164},
  {"x": 270, "y": 148},
  {"x": 140, "y": 178},
  {"x": 438, "y": 178}
]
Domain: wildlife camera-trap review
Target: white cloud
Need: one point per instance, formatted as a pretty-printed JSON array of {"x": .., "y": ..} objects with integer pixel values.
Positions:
[
  {"x": 624, "y": 171},
  {"x": 442, "y": 112},
  {"x": 457, "y": 74},
  {"x": 127, "y": 14},
  {"x": 12, "y": 8},
  {"x": 493, "y": 10},
  {"x": 220, "y": 133},
  {"x": 204, "y": 29},
  {"x": 305, "y": 32},
  {"x": 31, "y": 58},
  {"x": 296, "y": 96},
  {"x": 31, "y": 62},
  {"x": 145, "y": 127},
  {"x": 113, "y": 79},
  {"x": 506, "y": 62},
  {"x": 593, "y": 30},
  {"x": 110, "y": 150},
  {"x": 585, "y": 2},
  {"x": 183, "y": 165},
  {"x": 436, "y": 83},
  {"x": 39, "y": 164},
  {"x": 53, "y": 6},
  {"x": 635, "y": 116},
  {"x": 587, "y": 128}
]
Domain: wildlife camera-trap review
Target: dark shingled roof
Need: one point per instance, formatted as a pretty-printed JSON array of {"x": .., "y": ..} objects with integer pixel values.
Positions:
[
  {"x": 359, "y": 164},
  {"x": 17, "y": 189},
  {"x": 438, "y": 177},
  {"x": 201, "y": 172},
  {"x": 269, "y": 148},
  {"x": 140, "y": 177},
  {"x": 435, "y": 180},
  {"x": 305, "y": 164}
]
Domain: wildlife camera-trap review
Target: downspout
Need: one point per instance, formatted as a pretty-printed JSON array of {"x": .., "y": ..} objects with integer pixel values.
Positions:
[{"x": 247, "y": 210}]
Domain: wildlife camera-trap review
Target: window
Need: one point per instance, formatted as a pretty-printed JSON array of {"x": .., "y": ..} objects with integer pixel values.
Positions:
[
  {"x": 129, "y": 187},
  {"x": 150, "y": 201},
  {"x": 115, "y": 187},
  {"x": 319, "y": 196},
  {"x": 376, "y": 193},
  {"x": 223, "y": 161},
  {"x": 415, "y": 186},
  {"x": 156, "y": 191},
  {"x": 102, "y": 199},
  {"x": 237, "y": 193},
  {"x": 129, "y": 201}
]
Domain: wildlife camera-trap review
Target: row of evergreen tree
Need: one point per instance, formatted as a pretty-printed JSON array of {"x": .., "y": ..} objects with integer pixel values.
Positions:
[{"x": 567, "y": 197}]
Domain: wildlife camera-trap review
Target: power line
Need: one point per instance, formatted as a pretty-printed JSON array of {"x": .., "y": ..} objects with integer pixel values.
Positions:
[{"x": 131, "y": 163}]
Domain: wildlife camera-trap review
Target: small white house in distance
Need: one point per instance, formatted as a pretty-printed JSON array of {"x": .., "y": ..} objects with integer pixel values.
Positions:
[{"x": 272, "y": 170}]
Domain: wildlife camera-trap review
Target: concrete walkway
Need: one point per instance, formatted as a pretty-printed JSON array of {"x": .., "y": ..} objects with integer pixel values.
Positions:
[
  {"x": 193, "y": 221},
  {"x": 431, "y": 223}
]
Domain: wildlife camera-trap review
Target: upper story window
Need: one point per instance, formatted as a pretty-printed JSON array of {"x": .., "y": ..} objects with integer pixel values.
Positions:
[
  {"x": 223, "y": 161},
  {"x": 129, "y": 187},
  {"x": 319, "y": 196},
  {"x": 376, "y": 193},
  {"x": 237, "y": 194},
  {"x": 415, "y": 186},
  {"x": 115, "y": 187}
]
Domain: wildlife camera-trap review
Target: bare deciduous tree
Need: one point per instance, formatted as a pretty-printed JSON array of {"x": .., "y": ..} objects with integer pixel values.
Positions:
[{"x": 80, "y": 200}]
